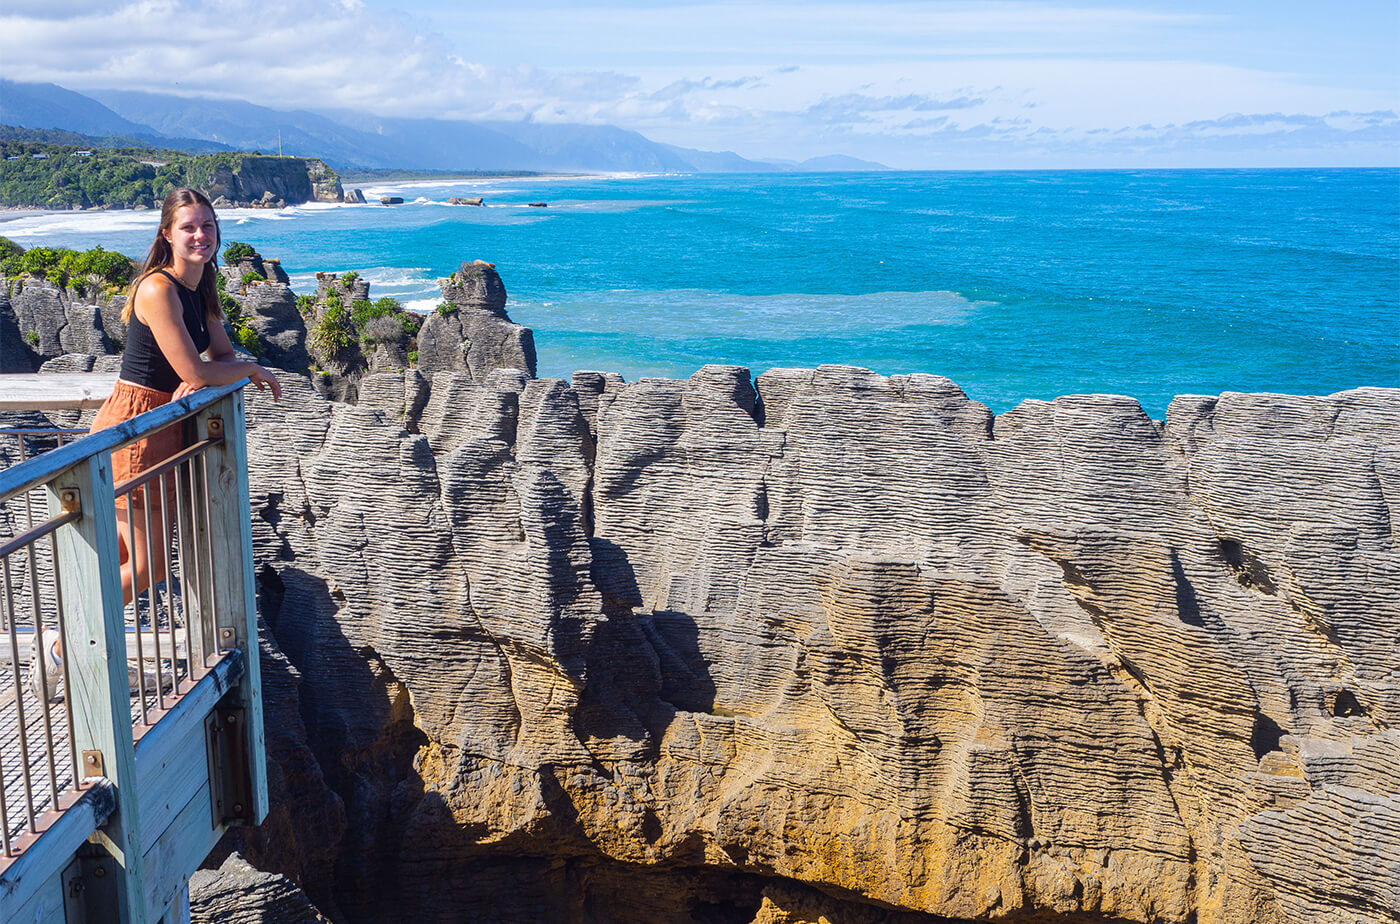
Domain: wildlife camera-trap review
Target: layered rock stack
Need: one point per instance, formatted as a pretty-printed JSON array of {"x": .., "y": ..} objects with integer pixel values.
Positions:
[
  {"x": 830, "y": 646},
  {"x": 470, "y": 332},
  {"x": 40, "y": 320}
]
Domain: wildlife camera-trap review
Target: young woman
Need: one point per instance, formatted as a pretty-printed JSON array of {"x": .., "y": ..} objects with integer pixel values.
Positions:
[{"x": 173, "y": 316}]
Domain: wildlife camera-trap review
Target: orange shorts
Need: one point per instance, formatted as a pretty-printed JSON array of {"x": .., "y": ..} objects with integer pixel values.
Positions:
[{"x": 129, "y": 400}]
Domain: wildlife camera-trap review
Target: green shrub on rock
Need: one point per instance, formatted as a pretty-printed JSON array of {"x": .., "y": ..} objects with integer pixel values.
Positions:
[
  {"x": 237, "y": 250},
  {"x": 335, "y": 332},
  {"x": 62, "y": 266},
  {"x": 248, "y": 339}
]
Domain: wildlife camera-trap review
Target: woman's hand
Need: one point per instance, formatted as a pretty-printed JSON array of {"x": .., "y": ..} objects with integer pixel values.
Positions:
[
  {"x": 185, "y": 388},
  {"x": 264, "y": 380}
]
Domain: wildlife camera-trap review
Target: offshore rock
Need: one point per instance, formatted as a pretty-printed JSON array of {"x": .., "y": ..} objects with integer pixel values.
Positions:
[
  {"x": 472, "y": 332},
  {"x": 833, "y": 646}
]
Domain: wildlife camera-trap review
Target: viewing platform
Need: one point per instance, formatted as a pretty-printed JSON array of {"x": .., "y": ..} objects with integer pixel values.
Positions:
[{"x": 131, "y": 733}]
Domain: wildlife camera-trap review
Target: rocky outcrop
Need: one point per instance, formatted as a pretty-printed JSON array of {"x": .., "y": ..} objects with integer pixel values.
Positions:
[
  {"x": 263, "y": 181},
  {"x": 268, "y": 269},
  {"x": 41, "y": 320},
  {"x": 325, "y": 183},
  {"x": 834, "y": 647},
  {"x": 239, "y": 894},
  {"x": 270, "y": 308},
  {"x": 322, "y": 335},
  {"x": 471, "y": 332}
]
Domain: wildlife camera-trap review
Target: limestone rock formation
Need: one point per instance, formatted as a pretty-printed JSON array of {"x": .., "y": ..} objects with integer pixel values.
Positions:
[
  {"x": 40, "y": 320},
  {"x": 268, "y": 268},
  {"x": 266, "y": 181},
  {"x": 270, "y": 308},
  {"x": 325, "y": 184},
  {"x": 240, "y": 894},
  {"x": 834, "y": 647},
  {"x": 473, "y": 334}
]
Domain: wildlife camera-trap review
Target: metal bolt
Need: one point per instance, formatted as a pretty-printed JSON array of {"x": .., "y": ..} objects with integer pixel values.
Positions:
[
  {"x": 238, "y": 808},
  {"x": 92, "y": 759},
  {"x": 232, "y": 719},
  {"x": 69, "y": 500},
  {"x": 100, "y": 872}
]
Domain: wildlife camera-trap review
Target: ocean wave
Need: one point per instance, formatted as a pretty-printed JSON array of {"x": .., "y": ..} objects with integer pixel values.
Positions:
[
  {"x": 398, "y": 276},
  {"x": 47, "y": 224},
  {"x": 394, "y": 281},
  {"x": 421, "y": 305}
]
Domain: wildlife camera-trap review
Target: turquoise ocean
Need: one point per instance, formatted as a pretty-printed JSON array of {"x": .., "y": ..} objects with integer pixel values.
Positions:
[{"x": 1015, "y": 285}]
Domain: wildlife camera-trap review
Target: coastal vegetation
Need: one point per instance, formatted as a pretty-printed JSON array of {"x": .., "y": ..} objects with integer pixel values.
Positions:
[
  {"x": 105, "y": 269},
  {"x": 238, "y": 250},
  {"x": 70, "y": 176},
  {"x": 241, "y": 330}
]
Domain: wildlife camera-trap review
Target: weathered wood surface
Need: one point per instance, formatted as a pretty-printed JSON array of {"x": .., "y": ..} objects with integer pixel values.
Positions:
[
  {"x": 31, "y": 889},
  {"x": 230, "y": 545},
  {"x": 64, "y": 391},
  {"x": 92, "y": 588}
]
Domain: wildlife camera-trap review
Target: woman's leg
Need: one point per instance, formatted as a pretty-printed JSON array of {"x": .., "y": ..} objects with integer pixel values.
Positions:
[{"x": 140, "y": 571}]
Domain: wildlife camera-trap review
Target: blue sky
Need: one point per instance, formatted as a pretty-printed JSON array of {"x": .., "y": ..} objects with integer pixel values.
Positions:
[{"x": 911, "y": 84}]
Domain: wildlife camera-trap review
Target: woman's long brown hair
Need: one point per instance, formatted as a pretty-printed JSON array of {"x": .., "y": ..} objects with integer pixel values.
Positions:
[{"x": 160, "y": 255}]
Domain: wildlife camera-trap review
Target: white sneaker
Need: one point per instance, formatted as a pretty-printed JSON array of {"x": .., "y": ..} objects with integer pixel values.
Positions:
[{"x": 46, "y": 647}]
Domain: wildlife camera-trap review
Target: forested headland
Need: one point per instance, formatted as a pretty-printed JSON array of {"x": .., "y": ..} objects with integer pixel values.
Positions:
[{"x": 42, "y": 174}]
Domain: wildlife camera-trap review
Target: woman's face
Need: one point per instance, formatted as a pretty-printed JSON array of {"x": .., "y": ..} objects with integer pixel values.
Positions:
[{"x": 193, "y": 235}]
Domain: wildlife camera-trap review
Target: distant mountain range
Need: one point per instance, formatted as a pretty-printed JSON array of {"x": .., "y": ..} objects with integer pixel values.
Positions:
[{"x": 349, "y": 140}]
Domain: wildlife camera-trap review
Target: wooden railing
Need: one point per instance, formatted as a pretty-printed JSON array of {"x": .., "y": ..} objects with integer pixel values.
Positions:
[{"x": 115, "y": 796}]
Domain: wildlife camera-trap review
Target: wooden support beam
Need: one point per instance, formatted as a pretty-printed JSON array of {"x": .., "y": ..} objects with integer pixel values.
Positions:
[
  {"x": 231, "y": 553},
  {"x": 92, "y": 592}
]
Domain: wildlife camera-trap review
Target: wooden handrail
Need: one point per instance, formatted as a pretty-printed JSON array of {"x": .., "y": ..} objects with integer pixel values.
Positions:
[{"x": 42, "y": 468}]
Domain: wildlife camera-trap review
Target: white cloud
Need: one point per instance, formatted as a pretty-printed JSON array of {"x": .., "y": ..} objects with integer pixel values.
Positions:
[{"x": 904, "y": 82}]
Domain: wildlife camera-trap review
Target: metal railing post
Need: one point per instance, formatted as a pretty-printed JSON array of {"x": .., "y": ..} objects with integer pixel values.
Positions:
[
  {"x": 231, "y": 564},
  {"x": 90, "y": 578}
]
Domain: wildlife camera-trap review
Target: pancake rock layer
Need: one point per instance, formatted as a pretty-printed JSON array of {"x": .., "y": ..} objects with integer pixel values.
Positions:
[{"x": 829, "y": 646}]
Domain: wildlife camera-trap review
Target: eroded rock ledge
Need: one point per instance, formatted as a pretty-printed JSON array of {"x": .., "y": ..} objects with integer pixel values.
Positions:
[{"x": 835, "y": 647}]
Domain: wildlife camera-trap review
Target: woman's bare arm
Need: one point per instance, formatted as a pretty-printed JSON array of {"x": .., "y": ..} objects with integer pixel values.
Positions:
[{"x": 157, "y": 304}]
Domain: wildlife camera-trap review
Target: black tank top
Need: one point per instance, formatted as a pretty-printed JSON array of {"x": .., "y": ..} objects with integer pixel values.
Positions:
[{"x": 142, "y": 362}]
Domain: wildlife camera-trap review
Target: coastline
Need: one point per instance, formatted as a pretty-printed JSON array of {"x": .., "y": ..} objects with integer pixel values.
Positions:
[{"x": 369, "y": 184}]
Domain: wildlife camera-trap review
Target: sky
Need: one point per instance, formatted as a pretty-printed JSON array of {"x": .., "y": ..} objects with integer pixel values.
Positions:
[{"x": 914, "y": 85}]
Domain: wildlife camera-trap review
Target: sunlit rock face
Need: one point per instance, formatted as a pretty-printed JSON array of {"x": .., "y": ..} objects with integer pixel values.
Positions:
[{"x": 829, "y": 646}]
